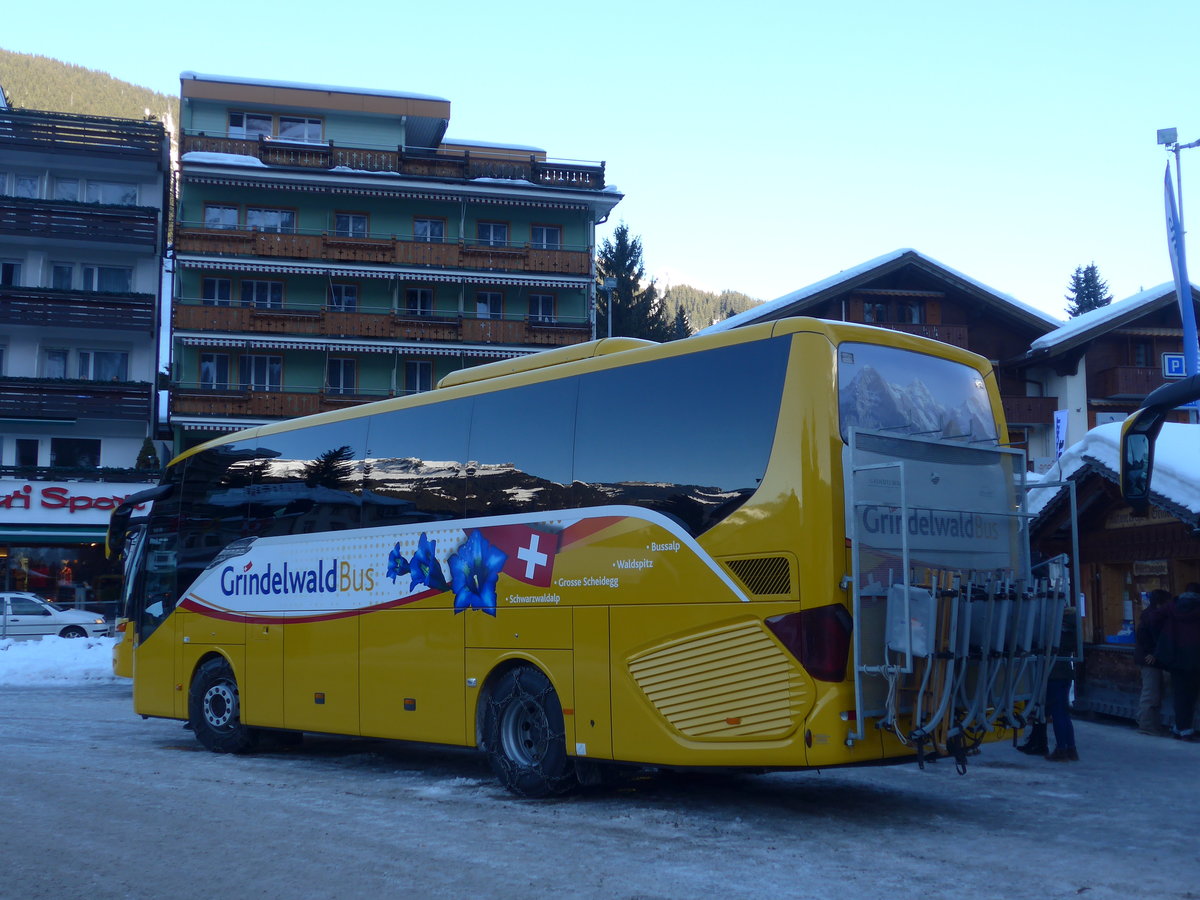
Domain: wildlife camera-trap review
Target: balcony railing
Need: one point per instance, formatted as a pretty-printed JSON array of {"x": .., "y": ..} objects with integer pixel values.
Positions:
[
  {"x": 31, "y": 129},
  {"x": 76, "y": 309},
  {"x": 1029, "y": 410},
  {"x": 380, "y": 249},
  {"x": 234, "y": 402},
  {"x": 441, "y": 164},
  {"x": 955, "y": 335},
  {"x": 1125, "y": 382},
  {"x": 70, "y": 399},
  {"x": 75, "y": 473},
  {"x": 191, "y": 315},
  {"x": 79, "y": 221}
]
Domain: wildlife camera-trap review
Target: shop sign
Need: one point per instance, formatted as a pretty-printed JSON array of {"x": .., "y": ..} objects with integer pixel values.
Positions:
[{"x": 62, "y": 502}]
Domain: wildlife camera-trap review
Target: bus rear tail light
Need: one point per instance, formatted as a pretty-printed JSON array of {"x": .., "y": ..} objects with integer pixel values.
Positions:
[{"x": 819, "y": 638}]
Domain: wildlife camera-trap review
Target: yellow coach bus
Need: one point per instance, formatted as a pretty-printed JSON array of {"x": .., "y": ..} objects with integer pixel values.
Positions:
[{"x": 797, "y": 544}]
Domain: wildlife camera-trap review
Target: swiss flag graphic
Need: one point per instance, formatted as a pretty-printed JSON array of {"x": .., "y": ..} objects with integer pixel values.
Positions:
[{"x": 530, "y": 552}]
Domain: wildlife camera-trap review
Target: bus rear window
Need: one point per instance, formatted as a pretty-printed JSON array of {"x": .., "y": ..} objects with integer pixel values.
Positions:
[{"x": 887, "y": 389}]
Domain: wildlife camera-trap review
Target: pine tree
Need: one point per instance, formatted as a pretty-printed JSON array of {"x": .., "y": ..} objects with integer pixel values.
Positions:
[
  {"x": 637, "y": 310},
  {"x": 1088, "y": 291},
  {"x": 147, "y": 459},
  {"x": 680, "y": 327}
]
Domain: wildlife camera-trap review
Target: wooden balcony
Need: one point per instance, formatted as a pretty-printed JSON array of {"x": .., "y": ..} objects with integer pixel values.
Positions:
[
  {"x": 1029, "y": 410},
  {"x": 234, "y": 404},
  {"x": 441, "y": 165},
  {"x": 955, "y": 335},
  {"x": 70, "y": 399},
  {"x": 39, "y": 130},
  {"x": 1124, "y": 382},
  {"x": 320, "y": 322},
  {"x": 76, "y": 309},
  {"x": 380, "y": 250},
  {"x": 79, "y": 221}
]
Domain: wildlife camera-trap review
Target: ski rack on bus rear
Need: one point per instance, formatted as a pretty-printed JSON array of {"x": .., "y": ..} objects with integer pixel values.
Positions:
[{"x": 954, "y": 634}]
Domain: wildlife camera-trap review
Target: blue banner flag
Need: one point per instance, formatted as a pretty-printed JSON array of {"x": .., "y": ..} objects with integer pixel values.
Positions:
[{"x": 1183, "y": 289}]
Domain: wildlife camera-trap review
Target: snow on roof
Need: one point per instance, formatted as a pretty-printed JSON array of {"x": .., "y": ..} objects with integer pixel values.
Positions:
[
  {"x": 1174, "y": 477},
  {"x": 764, "y": 310},
  {"x": 301, "y": 86},
  {"x": 493, "y": 145},
  {"x": 1095, "y": 319}
]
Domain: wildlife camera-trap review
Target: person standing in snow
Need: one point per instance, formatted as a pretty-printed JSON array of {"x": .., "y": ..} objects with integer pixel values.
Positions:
[
  {"x": 1058, "y": 691},
  {"x": 1179, "y": 643},
  {"x": 1149, "y": 718}
]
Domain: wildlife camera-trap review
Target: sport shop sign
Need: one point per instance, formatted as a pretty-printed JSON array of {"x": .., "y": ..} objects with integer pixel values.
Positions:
[{"x": 62, "y": 502}]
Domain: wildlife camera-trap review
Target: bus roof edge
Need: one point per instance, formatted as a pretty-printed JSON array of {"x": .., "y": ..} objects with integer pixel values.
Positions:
[{"x": 543, "y": 359}]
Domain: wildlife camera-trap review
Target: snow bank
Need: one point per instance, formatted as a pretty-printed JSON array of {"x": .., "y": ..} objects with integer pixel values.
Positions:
[{"x": 56, "y": 660}]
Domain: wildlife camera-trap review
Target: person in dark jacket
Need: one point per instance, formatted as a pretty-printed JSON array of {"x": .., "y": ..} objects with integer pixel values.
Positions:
[
  {"x": 1182, "y": 633},
  {"x": 1149, "y": 719},
  {"x": 1058, "y": 691}
]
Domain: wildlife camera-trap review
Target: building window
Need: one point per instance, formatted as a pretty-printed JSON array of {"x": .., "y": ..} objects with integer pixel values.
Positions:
[
  {"x": 216, "y": 291},
  {"x": 103, "y": 365},
  {"x": 27, "y": 451},
  {"x": 418, "y": 302},
  {"x": 66, "y": 188},
  {"x": 54, "y": 362},
  {"x": 418, "y": 376},
  {"x": 489, "y": 304},
  {"x": 262, "y": 294},
  {"x": 547, "y": 237},
  {"x": 341, "y": 376},
  {"x": 245, "y": 125},
  {"x": 110, "y": 279},
  {"x": 62, "y": 276},
  {"x": 75, "y": 453},
  {"x": 299, "y": 128},
  {"x": 343, "y": 297},
  {"x": 350, "y": 225},
  {"x": 430, "y": 230},
  {"x": 875, "y": 312},
  {"x": 214, "y": 371},
  {"x": 277, "y": 221},
  {"x": 112, "y": 193},
  {"x": 910, "y": 312},
  {"x": 541, "y": 308},
  {"x": 492, "y": 234},
  {"x": 261, "y": 373},
  {"x": 217, "y": 216},
  {"x": 10, "y": 272},
  {"x": 28, "y": 186},
  {"x": 1141, "y": 353}
]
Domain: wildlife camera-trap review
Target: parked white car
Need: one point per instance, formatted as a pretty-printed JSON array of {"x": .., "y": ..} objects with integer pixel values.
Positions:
[{"x": 25, "y": 615}]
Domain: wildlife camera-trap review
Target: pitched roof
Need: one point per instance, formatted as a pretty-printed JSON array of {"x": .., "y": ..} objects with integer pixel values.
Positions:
[
  {"x": 1098, "y": 321},
  {"x": 798, "y": 301}
]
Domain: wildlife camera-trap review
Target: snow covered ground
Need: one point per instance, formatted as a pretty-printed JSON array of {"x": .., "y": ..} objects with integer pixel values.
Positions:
[{"x": 99, "y": 803}]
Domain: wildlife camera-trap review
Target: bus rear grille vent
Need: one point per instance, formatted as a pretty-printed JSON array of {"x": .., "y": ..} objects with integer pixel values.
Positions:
[{"x": 763, "y": 574}]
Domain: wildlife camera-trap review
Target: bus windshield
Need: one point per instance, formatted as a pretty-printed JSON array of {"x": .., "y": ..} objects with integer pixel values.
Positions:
[{"x": 884, "y": 388}]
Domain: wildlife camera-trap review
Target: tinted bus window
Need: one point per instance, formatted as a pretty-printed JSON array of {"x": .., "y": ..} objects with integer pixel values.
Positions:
[
  {"x": 520, "y": 449},
  {"x": 644, "y": 438},
  {"x": 308, "y": 480},
  {"x": 415, "y": 467}
]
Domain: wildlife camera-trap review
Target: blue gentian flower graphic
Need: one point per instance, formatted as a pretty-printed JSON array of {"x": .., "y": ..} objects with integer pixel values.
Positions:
[
  {"x": 397, "y": 564},
  {"x": 424, "y": 567},
  {"x": 474, "y": 568}
]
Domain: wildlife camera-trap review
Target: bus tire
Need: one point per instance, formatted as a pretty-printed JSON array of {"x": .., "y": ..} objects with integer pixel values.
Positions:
[
  {"x": 214, "y": 710},
  {"x": 524, "y": 735}
]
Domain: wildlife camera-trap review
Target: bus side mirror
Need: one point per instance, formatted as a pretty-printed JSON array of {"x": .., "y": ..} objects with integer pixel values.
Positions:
[
  {"x": 118, "y": 522},
  {"x": 1137, "y": 460}
]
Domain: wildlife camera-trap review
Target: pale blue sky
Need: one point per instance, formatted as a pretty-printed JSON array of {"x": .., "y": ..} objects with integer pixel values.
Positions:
[{"x": 761, "y": 146}]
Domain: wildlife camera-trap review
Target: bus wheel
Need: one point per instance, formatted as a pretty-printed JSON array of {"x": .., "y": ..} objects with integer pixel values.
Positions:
[
  {"x": 524, "y": 735},
  {"x": 214, "y": 710}
]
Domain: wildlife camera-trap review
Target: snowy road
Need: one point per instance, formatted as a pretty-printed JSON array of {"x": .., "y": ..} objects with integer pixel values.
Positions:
[{"x": 98, "y": 803}]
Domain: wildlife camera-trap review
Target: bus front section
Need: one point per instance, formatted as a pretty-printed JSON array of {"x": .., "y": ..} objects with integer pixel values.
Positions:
[{"x": 953, "y": 636}]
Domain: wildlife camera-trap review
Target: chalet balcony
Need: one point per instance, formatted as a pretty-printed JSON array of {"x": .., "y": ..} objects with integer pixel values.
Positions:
[
  {"x": 39, "y": 130},
  {"x": 69, "y": 220},
  {"x": 438, "y": 165},
  {"x": 236, "y": 403},
  {"x": 380, "y": 250},
  {"x": 1029, "y": 410},
  {"x": 92, "y": 310},
  {"x": 320, "y": 321},
  {"x": 955, "y": 335},
  {"x": 1124, "y": 382},
  {"x": 66, "y": 399}
]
